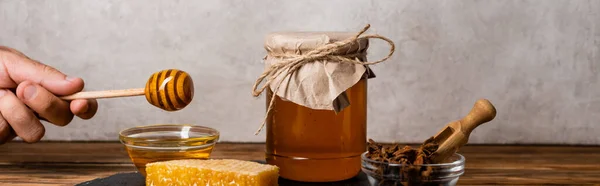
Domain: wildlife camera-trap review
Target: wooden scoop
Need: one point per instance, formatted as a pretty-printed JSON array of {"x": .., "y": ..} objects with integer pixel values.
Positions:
[
  {"x": 456, "y": 134},
  {"x": 169, "y": 90}
]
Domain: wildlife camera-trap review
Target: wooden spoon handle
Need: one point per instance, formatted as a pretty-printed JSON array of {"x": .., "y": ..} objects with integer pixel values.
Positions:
[
  {"x": 105, "y": 94},
  {"x": 482, "y": 112}
]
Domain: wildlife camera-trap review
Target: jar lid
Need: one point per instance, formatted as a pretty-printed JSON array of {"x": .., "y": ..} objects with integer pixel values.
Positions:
[{"x": 302, "y": 42}]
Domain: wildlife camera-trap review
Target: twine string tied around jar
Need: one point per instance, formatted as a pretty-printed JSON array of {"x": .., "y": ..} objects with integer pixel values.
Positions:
[{"x": 290, "y": 63}]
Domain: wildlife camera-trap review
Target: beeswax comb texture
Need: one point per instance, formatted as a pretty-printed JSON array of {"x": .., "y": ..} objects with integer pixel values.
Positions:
[{"x": 211, "y": 173}]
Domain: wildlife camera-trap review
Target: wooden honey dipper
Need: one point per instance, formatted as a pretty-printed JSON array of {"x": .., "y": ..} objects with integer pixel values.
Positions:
[
  {"x": 169, "y": 90},
  {"x": 456, "y": 134}
]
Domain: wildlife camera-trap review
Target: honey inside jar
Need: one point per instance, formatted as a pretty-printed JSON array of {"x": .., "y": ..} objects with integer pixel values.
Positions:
[
  {"x": 167, "y": 142},
  {"x": 318, "y": 145}
]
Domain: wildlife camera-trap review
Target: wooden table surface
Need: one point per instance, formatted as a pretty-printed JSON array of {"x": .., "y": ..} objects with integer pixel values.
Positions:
[{"x": 56, "y": 163}]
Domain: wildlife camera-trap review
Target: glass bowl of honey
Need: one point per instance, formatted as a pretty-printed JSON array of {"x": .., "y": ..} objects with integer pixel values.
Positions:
[
  {"x": 152, "y": 143},
  {"x": 442, "y": 174}
]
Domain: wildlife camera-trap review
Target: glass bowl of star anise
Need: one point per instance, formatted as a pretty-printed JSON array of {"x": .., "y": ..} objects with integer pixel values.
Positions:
[{"x": 397, "y": 165}]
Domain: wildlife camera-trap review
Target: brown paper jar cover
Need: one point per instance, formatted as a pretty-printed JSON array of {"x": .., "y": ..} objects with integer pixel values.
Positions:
[{"x": 320, "y": 84}]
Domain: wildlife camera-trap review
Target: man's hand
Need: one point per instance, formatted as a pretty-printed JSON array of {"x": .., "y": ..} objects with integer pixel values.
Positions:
[{"x": 29, "y": 92}]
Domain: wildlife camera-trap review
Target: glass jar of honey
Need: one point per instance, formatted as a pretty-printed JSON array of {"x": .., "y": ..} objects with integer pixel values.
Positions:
[{"x": 316, "y": 123}]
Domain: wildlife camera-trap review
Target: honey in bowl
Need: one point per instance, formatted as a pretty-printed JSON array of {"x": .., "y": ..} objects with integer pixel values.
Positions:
[{"x": 154, "y": 143}]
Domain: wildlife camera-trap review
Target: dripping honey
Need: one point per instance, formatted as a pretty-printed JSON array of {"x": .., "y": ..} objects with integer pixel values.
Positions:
[
  {"x": 318, "y": 145},
  {"x": 161, "y": 146}
]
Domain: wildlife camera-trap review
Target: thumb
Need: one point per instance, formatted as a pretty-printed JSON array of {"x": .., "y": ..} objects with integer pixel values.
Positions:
[{"x": 21, "y": 68}]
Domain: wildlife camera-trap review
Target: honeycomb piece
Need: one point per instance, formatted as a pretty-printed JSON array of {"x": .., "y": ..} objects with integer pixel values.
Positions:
[{"x": 211, "y": 173}]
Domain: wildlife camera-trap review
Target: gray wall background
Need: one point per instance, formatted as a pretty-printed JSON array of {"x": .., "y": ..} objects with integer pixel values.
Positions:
[{"x": 537, "y": 61}]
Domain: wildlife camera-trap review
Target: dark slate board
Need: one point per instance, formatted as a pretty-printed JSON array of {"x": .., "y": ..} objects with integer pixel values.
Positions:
[
  {"x": 136, "y": 179},
  {"x": 122, "y": 179}
]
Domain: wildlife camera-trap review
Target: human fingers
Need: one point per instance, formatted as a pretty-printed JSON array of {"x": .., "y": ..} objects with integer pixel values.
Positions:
[
  {"x": 5, "y": 130},
  {"x": 10, "y": 137},
  {"x": 17, "y": 68},
  {"x": 84, "y": 109},
  {"x": 20, "y": 118},
  {"x": 44, "y": 103}
]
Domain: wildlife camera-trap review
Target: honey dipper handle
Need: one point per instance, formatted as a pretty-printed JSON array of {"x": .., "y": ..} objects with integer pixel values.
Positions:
[
  {"x": 105, "y": 94},
  {"x": 482, "y": 112}
]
